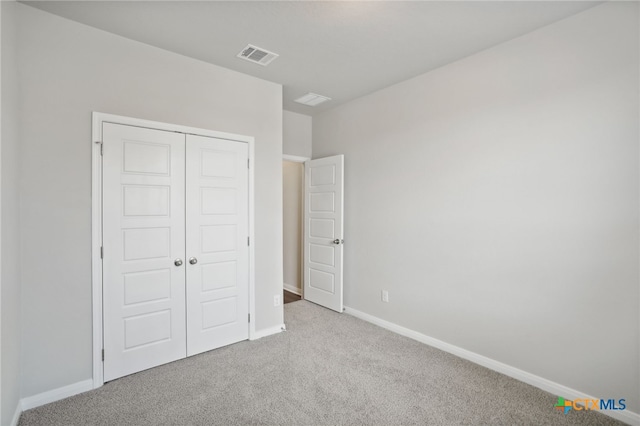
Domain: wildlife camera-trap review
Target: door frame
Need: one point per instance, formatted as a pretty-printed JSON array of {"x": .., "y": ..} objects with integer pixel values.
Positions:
[{"x": 98, "y": 119}]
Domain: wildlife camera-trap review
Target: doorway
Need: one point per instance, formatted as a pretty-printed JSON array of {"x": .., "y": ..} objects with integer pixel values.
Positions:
[
  {"x": 293, "y": 227},
  {"x": 313, "y": 234}
]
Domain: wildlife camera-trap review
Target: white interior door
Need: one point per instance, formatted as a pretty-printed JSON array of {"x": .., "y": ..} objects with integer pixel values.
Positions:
[
  {"x": 143, "y": 236},
  {"x": 217, "y": 243},
  {"x": 323, "y": 231}
]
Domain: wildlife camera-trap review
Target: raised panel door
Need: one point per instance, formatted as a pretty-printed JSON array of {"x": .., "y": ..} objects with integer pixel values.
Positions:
[
  {"x": 217, "y": 232},
  {"x": 323, "y": 232},
  {"x": 143, "y": 234}
]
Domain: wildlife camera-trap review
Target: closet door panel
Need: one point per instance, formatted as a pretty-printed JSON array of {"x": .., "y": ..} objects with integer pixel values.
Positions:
[
  {"x": 217, "y": 243},
  {"x": 143, "y": 236}
]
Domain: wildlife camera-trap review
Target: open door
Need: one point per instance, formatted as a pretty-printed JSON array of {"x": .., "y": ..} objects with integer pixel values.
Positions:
[{"x": 323, "y": 231}]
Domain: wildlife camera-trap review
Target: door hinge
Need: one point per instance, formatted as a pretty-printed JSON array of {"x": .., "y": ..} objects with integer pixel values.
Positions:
[
  {"x": 248, "y": 164},
  {"x": 249, "y": 317},
  {"x": 101, "y": 145},
  {"x": 101, "y": 252},
  {"x": 248, "y": 242},
  {"x": 103, "y": 354}
]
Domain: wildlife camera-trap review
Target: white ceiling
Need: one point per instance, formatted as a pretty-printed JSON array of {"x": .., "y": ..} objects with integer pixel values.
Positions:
[{"x": 339, "y": 49}]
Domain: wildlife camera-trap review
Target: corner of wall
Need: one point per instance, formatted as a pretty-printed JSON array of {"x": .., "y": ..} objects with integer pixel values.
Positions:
[{"x": 10, "y": 289}]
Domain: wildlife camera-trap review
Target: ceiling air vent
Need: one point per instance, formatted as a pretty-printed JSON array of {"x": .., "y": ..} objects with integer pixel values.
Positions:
[
  {"x": 257, "y": 55},
  {"x": 312, "y": 99}
]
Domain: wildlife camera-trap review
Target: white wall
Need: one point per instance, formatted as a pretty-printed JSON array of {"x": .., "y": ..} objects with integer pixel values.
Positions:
[
  {"x": 292, "y": 196},
  {"x": 68, "y": 70},
  {"x": 496, "y": 198},
  {"x": 1, "y": 400},
  {"x": 10, "y": 247},
  {"x": 296, "y": 134}
]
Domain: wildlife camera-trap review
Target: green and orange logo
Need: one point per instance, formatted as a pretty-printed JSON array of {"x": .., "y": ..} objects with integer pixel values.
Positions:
[{"x": 563, "y": 405}]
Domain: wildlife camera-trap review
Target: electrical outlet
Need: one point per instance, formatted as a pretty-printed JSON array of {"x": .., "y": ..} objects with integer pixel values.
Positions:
[
  {"x": 385, "y": 296},
  {"x": 276, "y": 300}
]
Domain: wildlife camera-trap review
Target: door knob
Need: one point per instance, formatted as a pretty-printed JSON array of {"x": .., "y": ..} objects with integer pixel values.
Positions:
[
  {"x": 177, "y": 262},
  {"x": 338, "y": 241},
  {"x": 193, "y": 260}
]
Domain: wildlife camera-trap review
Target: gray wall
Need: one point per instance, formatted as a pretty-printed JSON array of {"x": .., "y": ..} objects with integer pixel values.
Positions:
[
  {"x": 296, "y": 134},
  {"x": 68, "y": 70},
  {"x": 10, "y": 219},
  {"x": 496, "y": 198}
]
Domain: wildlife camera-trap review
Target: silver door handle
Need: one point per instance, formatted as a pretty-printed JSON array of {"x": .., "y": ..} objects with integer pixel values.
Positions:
[
  {"x": 193, "y": 260},
  {"x": 177, "y": 262},
  {"x": 338, "y": 241}
]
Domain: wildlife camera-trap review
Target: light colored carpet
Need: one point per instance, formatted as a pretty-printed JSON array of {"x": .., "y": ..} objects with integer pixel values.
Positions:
[{"x": 327, "y": 369}]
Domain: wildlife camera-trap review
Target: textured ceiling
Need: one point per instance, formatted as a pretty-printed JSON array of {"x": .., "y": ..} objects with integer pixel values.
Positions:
[{"x": 339, "y": 49}]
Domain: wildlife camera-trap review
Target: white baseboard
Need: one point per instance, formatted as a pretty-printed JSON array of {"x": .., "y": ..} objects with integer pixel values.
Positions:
[
  {"x": 259, "y": 334},
  {"x": 56, "y": 394},
  {"x": 292, "y": 289},
  {"x": 628, "y": 417},
  {"x": 16, "y": 414}
]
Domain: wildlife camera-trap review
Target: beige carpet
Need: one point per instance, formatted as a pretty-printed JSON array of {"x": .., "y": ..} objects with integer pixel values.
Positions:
[{"x": 327, "y": 369}]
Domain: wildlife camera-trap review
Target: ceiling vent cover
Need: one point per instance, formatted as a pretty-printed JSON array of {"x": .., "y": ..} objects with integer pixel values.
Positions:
[
  {"x": 257, "y": 55},
  {"x": 312, "y": 99}
]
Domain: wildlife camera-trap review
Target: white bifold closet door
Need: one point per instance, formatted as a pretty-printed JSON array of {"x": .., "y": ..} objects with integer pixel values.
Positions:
[{"x": 175, "y": 228}]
